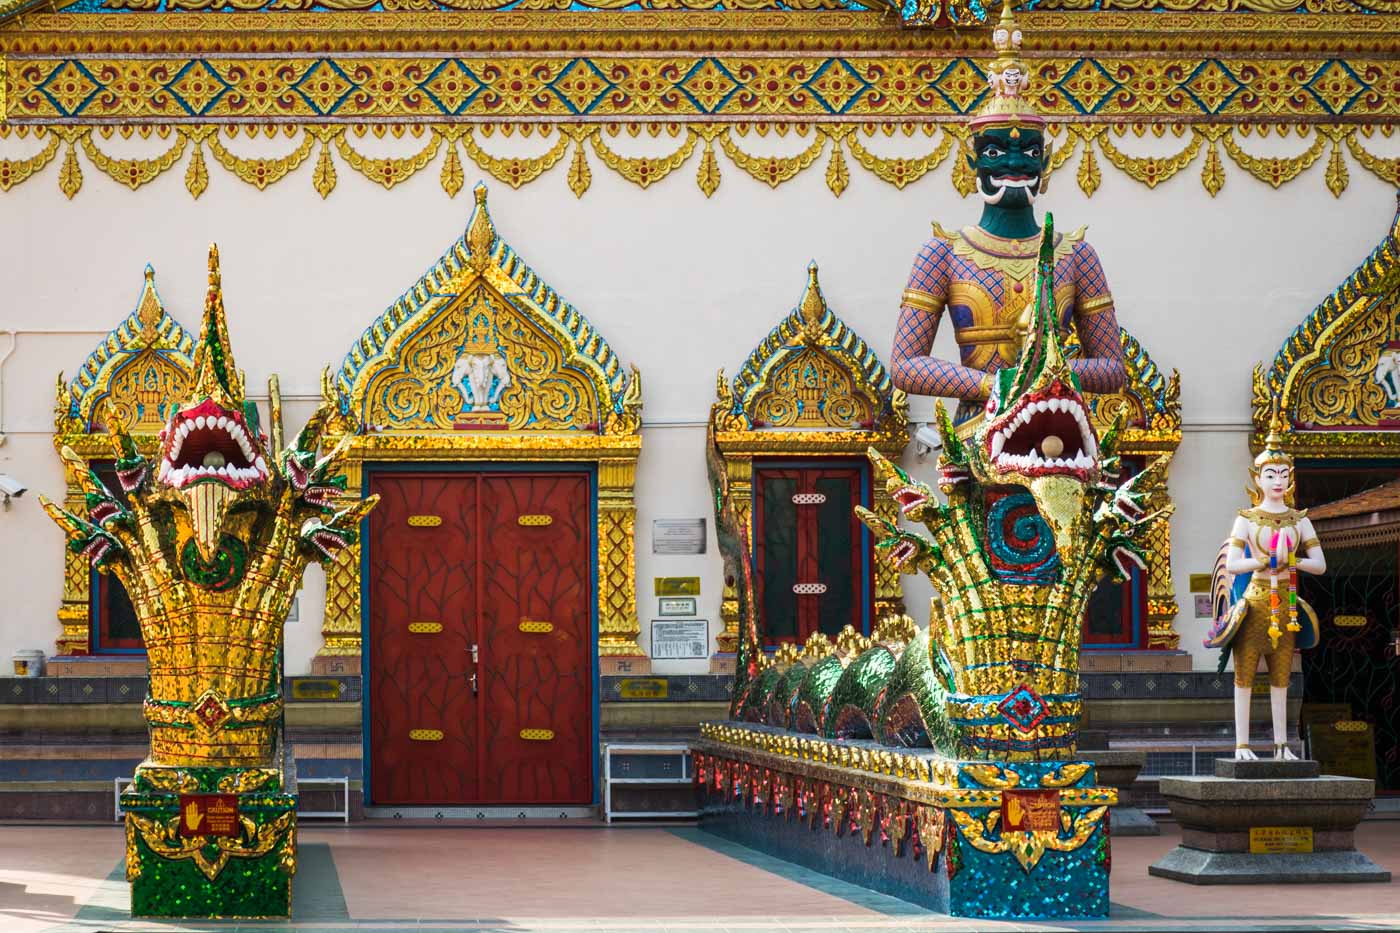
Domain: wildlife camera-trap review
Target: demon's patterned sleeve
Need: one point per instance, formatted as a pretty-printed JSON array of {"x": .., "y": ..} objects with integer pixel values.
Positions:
[
  {"x": 920, "y": 308},
  {"x": 1100, "y": 367}
]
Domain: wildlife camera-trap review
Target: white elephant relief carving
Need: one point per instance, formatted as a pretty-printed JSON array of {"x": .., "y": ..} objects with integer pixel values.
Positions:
[
  {"x": 481, "y": 378},
  {"x": 1387, "y": 376}
]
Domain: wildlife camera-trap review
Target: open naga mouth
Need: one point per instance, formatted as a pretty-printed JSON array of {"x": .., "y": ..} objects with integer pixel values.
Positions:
[
  {"x": 208, "y": 443},
  {"x": 910, "y": 498},
  {"x": 1046, "y": 435}
]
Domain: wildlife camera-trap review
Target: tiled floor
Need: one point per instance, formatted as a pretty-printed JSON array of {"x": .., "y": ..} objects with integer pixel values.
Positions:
[{"x": 547, "y": 877}]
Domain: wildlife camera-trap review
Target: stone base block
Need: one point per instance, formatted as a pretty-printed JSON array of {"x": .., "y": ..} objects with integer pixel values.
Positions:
[
  {"x": 1195, "y": 866},
  {"x": 1130, "y": 821},
  {"x": 1266, "y": 769},
  {"x": 609, "y": 667},
  {"x": 1264, "y": 830}
]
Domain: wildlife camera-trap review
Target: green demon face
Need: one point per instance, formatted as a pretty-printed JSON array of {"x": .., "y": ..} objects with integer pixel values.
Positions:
[{"x": 1009, "y": 163}]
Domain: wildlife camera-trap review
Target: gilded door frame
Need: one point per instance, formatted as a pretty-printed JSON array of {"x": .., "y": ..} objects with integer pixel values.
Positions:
[
  {"x": 765, "y": 415},
  {"x": 112, "y": 383},
  {"x": 599, "y": 428}
]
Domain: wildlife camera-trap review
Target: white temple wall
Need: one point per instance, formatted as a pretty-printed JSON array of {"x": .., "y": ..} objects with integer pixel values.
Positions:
[{"x": 680, "y": 284}]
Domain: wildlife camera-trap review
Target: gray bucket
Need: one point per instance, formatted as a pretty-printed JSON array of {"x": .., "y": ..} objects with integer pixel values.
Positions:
[{"x": 29, "y": 662}]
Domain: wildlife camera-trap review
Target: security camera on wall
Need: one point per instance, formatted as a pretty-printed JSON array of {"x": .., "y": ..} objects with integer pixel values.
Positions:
[
  {"x": 926, "y": 440},
  {"x": 9, "y": 486}
]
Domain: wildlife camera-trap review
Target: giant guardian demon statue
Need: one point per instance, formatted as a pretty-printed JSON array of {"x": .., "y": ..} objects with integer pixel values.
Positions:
[{"x": 981, "y": 276}]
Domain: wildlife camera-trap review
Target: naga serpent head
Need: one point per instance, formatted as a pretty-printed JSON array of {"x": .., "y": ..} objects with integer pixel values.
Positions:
[
  {"x": 213, "y": 455},
  {"x": 1037, "y": 432}
]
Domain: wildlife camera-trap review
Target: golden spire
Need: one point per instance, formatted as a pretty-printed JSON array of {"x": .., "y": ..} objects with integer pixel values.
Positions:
[
  {"x": 481, "y": 233},
  {"x": 215, "y": 375},
  {"x": 812, "y": 308},
  {"x": 149, "y": 310},
  {"x": 1274, "y": 451},
  {"x": 1009, "y": 79}
]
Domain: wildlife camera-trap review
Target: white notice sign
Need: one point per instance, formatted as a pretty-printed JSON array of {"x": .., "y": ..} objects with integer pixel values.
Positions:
[
  {"x": 673, "y": 640},
  {"x": 678, "y": 536}
]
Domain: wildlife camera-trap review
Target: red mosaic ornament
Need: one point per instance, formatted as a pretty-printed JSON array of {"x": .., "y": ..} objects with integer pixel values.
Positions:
[{"x": 210, "y": 710}]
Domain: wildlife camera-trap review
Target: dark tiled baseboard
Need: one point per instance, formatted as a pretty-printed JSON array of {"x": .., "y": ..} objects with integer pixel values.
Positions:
[
  {"x": 659, "y": 688},
  {"x": 27, "y": 691}
]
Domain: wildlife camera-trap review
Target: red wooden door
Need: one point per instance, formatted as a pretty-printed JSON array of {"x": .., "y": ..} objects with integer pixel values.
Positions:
[
  {"x": 536, "y": 671},
  {"x": 422, "y": 623},
  {"x": 503, "y": 563}
]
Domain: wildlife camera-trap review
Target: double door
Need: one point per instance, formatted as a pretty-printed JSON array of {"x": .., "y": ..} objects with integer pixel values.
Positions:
[{"x": 480, "y": 639}]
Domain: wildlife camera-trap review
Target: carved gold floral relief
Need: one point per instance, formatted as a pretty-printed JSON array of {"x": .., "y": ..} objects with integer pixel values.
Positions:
[
  {"x": 418, "y": 392},
  {"x": 140, "y": 392},
  {"x": 1342, "y": 388},
  {"x": 810, "y": 389}
]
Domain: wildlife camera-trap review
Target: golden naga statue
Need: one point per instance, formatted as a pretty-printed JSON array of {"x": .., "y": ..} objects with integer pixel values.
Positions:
[{"x": 211, "y": 543}]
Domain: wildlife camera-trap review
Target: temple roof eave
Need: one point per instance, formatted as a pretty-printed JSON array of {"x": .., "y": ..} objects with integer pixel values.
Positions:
[
  {"x": 479, "y": 254},
  {"x": 1377, "y": 275},
  {"x": 812, "y": 325},
  {"x": 147, "y": 327}
]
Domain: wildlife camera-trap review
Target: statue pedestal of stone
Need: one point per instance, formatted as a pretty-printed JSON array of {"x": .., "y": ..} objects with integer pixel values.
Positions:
[
  {"x": 1268, "y": 822},
  {"x": 1119, "y": 768}
]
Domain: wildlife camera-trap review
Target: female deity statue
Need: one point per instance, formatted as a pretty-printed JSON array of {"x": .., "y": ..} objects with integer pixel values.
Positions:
[
  {"x": 1258, "y": 613},
  {"x": 982, "y": 275}
]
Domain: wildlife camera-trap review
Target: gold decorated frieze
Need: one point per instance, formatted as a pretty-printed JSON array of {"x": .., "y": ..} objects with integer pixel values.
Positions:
[
  {"x": 602, "y": 88},
  {"x": 1166, "y": 28},
  {"x": 493, "y": 446},
  {"x": 714, "y": 144},
  {"x": 815, "y": 443}
]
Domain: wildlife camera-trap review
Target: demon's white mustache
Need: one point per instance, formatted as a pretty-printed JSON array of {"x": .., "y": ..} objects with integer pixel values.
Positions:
[{"x": 1030, "y": 184}]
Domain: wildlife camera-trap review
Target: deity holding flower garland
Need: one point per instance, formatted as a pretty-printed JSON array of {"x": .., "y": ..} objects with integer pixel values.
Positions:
[
  {"x": 1258, "y": 614},
  {"x": 981, "y": 276}
]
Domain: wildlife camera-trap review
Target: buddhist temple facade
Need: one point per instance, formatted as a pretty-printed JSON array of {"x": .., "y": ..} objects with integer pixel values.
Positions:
[{"x": 537, "y": 255}]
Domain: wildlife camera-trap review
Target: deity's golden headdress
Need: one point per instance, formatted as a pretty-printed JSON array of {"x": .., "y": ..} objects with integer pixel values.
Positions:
[
  {"x": 1273, "y": 454},
  {"x": 1006, "y": 105}
]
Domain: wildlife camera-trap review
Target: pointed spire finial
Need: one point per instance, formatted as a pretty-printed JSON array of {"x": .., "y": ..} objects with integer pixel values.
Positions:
[
  {"x": 1274, "y": 450},
  {"x": 215, "y": 375},
  {"x": 1009, "y": 79},
  {"x": 812, "y": 309},
  {"x": 149, "y": 309},
  {"x": 481, "y": 233}
]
